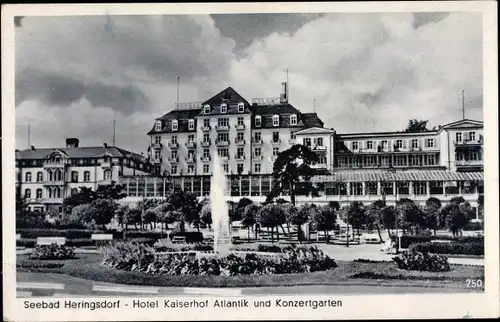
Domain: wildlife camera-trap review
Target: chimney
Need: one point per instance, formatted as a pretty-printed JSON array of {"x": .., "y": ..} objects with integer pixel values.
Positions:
[
  {"x": 72, "y": 142},
  {"x": 105, "y": 145},
  {"x": 32, "y": 147}
]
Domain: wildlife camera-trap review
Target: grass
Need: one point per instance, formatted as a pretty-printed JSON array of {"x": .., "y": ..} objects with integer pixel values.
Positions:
[{"x": 88, "y": 267}]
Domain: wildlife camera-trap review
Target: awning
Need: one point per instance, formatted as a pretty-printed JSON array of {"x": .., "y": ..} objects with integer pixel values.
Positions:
[{"x": 424, "y": 175}]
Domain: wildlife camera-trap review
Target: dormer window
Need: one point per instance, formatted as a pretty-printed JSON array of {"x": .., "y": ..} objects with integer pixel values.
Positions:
[
  {"x": 276, "y": 120},
  {"x": 223, "y": 108},
  {"x": 206, "y": 109},
  {"x": 293, "y": 119},
  {"x": 175, "y": 125},
  {"x": 258, "y": 121},
  {"x": 191, "y": 125},
  {"x": 241, "y": 107},
  {"x": 158, "y": 126}
]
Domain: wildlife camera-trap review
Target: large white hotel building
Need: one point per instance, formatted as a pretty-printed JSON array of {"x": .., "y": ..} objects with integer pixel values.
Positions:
[{"x": 442, "y": 163}]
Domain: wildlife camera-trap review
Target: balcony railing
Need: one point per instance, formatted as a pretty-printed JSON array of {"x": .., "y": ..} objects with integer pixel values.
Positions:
[
  {"x": 257, "y": 157},
  {"x": 55, "y": 164},
  {"x": 221, "y": 143},
  {"x": 467, "y": 143},
  {"x": 106, "y": 182},
  {"x": 239, "y": 142},
  {"x": 276, "y": 142},
  {"x": 173, "y": 145},
  {"x": 319, "y": 148},
  {"x": 157, "y": 160},
  {"x": 173, "y": 159},
  {"x": 206, "y": 128},
  {"x": 205, "y": 159},
  {"x": 240, "y": 126},
  {"x": 240, "y": 157},
  {"x": 156, "y": 145},
  {"x": 54, "y": 183},
  {"x": 222, "y": 127},
  {"x": 224, "y": 158},
  {"x": 190, "y": 144},
  {"x": 51, "y": 200},
  {"x": 205, "y": 143},
  {"x": 191, "y": 158},
  {"x": 257, "y": 142},
  {"x": 469, "y": 162}
]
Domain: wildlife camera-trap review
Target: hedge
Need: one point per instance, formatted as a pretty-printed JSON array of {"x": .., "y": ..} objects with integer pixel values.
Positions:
[
  {"x": 406, "y": 241},
  {"x": 454, "y": 248},
  {"x": 80, "y": 242},
  {"x": 474, "y": 226}
]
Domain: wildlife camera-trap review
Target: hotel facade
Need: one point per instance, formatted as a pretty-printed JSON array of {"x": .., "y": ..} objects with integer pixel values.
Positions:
[{"x": 444, "y": 163}]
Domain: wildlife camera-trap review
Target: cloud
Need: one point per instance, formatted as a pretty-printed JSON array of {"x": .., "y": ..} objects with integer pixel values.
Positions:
[{"x": 423, "y": 18}]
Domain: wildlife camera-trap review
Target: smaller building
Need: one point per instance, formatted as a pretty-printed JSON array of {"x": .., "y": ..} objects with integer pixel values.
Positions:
[{"x": 44, "y": 177}]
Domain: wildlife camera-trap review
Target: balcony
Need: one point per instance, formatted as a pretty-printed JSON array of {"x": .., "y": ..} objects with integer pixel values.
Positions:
[
  {"x": 206, "y": 128},
  {"x": 467, "y": 143},
  {"x": 54, "y": 183},
  {"x": 224, "y": 158},
  {"x": 190, "y": 144},
  {"x": 173, "y": 145},
  {"x": 191, "y": 158},
  {"x": 206, "y": 143},
  {"x": 222, "y": 127},
  {"x": 240, "y": 157},
  {"x": 292, "y": 141},
  {"x": 156, "y": 160},
  {"x": 157, "y": 145},
  {"x": 173, "y": 159},
  {"x": 55, "y": 164},
  {"x": 205, "y": 159},
  {"x": 469, "y": 163},
  {"x": 276, "y": 142},
  {"x": 106, "y": 182},
  {"x": 52, "y": 200},
  {"x": 239, "y": 142},
  {"x": 257, "y": 142},
  {"x": 221, "y": 143},
  {"x": 240, "y": 126},
  {"x": 319, "y": 148},
  {"x": 257, "y": 157}
]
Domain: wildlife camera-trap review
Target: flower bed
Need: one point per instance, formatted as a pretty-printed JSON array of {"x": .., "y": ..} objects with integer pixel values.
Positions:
[
  {"x": 52, "y": 252},
  {"x": 137, "y": 257},
  {"x": 421, "y": 261},
  {"x": 474, "y": 248},
  {"x": 406, "y": 241}
]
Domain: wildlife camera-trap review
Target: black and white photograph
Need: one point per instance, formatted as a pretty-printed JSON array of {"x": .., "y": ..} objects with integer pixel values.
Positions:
[{"x": 205, "y": 158}]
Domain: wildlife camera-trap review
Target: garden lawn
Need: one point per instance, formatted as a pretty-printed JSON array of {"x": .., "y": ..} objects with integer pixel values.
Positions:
[{"x": 87, "y": 266}]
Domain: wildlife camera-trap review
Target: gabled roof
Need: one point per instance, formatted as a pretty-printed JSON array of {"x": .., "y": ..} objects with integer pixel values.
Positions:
[
  {"x": 314, "y": 130},
  {"x": 182, "y": 116},
  {"x": 80, "y": 152},
  {"x": 279, "y": 109},
  {"x": 311, "y": 120},
  {"x": 462, "y": 124},
  {"x": 228, "y": 96}
]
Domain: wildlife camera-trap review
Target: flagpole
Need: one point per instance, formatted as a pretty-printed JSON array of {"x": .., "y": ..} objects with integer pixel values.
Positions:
[{"x": 463, "y": 105}]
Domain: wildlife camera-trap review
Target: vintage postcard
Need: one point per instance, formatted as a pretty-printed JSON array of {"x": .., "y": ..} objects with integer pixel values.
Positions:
[{"x": 239, "y": 161}]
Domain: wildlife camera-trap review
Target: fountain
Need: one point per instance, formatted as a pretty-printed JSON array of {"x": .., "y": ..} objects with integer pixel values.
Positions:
[{"x": 219, "y": 209}]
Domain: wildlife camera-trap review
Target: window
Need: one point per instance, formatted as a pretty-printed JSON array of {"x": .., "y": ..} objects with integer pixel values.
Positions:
[
  {"x": 239, "y": 152},
  {"x": 39, "y": 193},
  {"x": 107, "y": 175},
  {"x": 307, "y": 142},
  {"x": 223, "y": 121},
  {"x": 257, "y": 152},
  {"x": 276, "y": 137},
  {"x": 430, "y": 143},
  {"x": 415, "y": 160},
  {"x": 191, "y": 138},
  {"x": 241, "y": 107},
  {"x": 322, "y": 158},
  {"x": 27, "y": 193},
  {"x": 239, "y": 168},
  {"x": 223, "y": 137},
  {"x": 174, "y": 139},
  {"x": 223, "y": 152},
  {"x": 369, "y": 161},
  {"x": 342, "y": 163},
  {"x": 175, "y": 125},
  {"x": 174, "y": 169},
  {"x": 28, "y": 177},
  {"x": 256, "y": 168},
  {"x": 400, "y": 160},
  {"x": 276, "y": 120},
  {"x": 190, "y": 169},
  {"x": 157, "y": 154},
  {"x": 240, "y": 136},
  {"x": 474, "y": 156},
  {"x": 355, "y": 145},
  {"x": 223, "y": 108},
  {"x": 206, "y": 123},
  {"x": 206, "y": 137},
  {"x": 240, "y": 121},
  {"x": 39, "y": 176},
  {"x": 371, "y": 188},
  {"x": 174, "y": 154},
  {"x": 191, "y": 124},
  {"x": 257, "y": 137},
  {"x": 384, "y": 144},
  {"x": 206, "y": 153},
  {"x": 399, "y": 144},
  {"x": 429, "y": 159},
  {"x": 158, "y": 139},
  {"x": 403, "y": 188},
  {"x": 414, "y": 143},
  {"x": 276, "y": 151},
  {"x": 472, "y": 136},
  {"x": 258, "y": 121},
  {"x": 206, "y": 109},
  {"x": 356, "y": 188},
  {"x": 86, "y": 176},
  {"x": 419, "y": 187},
  {"x": 369, "y": 145},
  {"x": 458, "y": 136},
  {"x": 436, "y": 187},
  {"x": 318, "y": 141},
  {"x": 387, "y": 188},
  {"x": 225, "y": 167},
  {"x": 292, "y": 135},
  {"x": 293, "y": 119},
  {"x": 74, "y": 176},
  {"x": 158, "y": 126}
]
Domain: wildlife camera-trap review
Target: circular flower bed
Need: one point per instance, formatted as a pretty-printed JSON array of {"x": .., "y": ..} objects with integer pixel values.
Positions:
[{"x": 292, "y": 260}]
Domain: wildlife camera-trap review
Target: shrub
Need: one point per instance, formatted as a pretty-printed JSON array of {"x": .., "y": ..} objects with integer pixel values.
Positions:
[
  {"x": 52, "y": 252},
  {"x": 406, "y": 241},
  {"x": 269, "y": 248},
  {"x": 421, "y": 261},
  {"x": 52, "y": 232},
  {"x": 474, "y": 226},
  {"x": 474, "y": 248},
  {"x": 32, "y": 265},
  {"x": 136, "y": 257},
  {"x": 26, "y": 242}
]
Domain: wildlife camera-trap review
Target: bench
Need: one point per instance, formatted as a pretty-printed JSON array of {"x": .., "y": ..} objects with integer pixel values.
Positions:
[
  {"x": 179, "y": 239},
  {"x": 101, "y": 237},
  {"x": 441, "y": 241},
  {"x": 41, "y": 241}
]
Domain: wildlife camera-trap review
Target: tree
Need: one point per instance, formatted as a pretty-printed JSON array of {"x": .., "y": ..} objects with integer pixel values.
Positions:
[
  {"x": 150, "y": 216},
  {"x": 239, "y": 208},
  {"x": 411, "y": 216},
  {"x": 186, "y": 204},
  {"x": 356, "y": 215},
  {"x": 389, "y": 218},
  {"x": 431, "y": 213},
  {"x": 324, "y": 218},
  {"x": 299, "y": 217},
  {"x": 480, "y": 206},
  {"x": 250, "y": 217},
  {"x": 82, "y": 214},
  {"x": 456, "y": 215},
  {"x": 102, "y": 211},
  {"x": 206, "y": 215},
  {"x": 335, "y": 205},
  {"x": 121, "y": 213},
  {"x": 373, "y": 214},
  {"x": 86, "y": 195},
  {"x": 167, "y": 214},
  {"x": 291, "y": 169},
  {"x": 416, "y": 126},
  {"x": 270, "y": 216}
]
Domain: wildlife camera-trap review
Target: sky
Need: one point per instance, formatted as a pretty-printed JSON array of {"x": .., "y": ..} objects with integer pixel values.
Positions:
[{"x": 365, "y": 71}]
